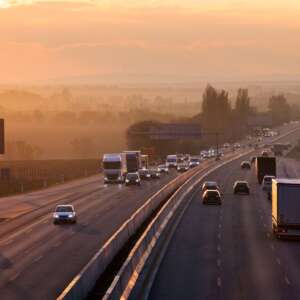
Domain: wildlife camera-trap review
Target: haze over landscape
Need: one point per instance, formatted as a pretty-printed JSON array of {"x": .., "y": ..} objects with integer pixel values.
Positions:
[{"x": 148, "y": 41}]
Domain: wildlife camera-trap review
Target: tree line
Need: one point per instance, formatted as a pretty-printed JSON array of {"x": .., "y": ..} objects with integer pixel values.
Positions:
[{"x": 230, "y": 119}]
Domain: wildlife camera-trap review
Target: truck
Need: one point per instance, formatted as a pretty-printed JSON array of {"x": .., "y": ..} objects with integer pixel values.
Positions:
[
  {"x": 171, "y": 161},
  {"x": 114, "y": 167},
  {"x": 265, "y": 165},
  {"x": 286, "y": 207},
  {"x": 145, "y": 161},
  {"x": 133, "y": 160}
]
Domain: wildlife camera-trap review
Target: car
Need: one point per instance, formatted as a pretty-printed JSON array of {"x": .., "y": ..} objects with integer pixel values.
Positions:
[
  {"x": 265, "y": 153},
  {"x": 226, "y": 145},
  {"x": 182, "y": 167},
  {"x": 154, "y": 173},
  {"x": 267, "y": 182},
  {"x": 194, "y": 162},
  {"x": 245, "y": 164},
  {"x": 144, "y": 174},
  {"x": 209, "y": 185},
  {"x": 163, "y": 169},
  {"x": 133, "y": 179},
  {"x": 241, "y": 187},
  {"x": 211, "y": 197},
  {"x": 237, "y": 145},
  {"x": 64, "y": 213}
]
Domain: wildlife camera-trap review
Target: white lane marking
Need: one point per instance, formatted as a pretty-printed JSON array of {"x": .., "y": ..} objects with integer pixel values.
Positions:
[
  {"x": 268, "y": 235},
  {"x": 219, "y": 248},
  {"x": 265, "y": 225},
  {"x": 219, "y": 282},
  {"x": 219, "y": 262},
  {"x": 28, "y": 230},
  {"x": 8, "y": 242},
  {"x": 57, "y": 244},
  {"x": 14, "y": 277},
  {"x": 220, "y": 226},
  {"x": 278, "y": 261},
  {"x": 287, "y": 281},
  {"x": 38, "y": 258},
  {"x": 272, "y": 246},
  {"x": 45, "y": 222}
]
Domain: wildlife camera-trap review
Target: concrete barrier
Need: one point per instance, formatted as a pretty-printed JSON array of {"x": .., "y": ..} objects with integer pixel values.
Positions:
[
  {"x": 129, "y": 272},
  {"x": 83, "y": 283}
]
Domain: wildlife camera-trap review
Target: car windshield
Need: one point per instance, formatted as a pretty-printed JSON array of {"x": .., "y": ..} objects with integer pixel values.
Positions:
[
  {"x": 194, "y": 160},
  {"x": 212, "y": 193},
  {"x": 268, "y": 179},
  {"x": 64, "y": 209},
  {"x": 132, "y": 176}
]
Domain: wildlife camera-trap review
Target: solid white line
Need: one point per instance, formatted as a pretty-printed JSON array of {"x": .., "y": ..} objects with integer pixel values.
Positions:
[
  {"x": 14, "y": 277},
  {"x": 38, "y": 258},
  {"x": 287, "y": 280},
  {"x": 8, "y": 242},
  {"x": 28, "y": 230}
]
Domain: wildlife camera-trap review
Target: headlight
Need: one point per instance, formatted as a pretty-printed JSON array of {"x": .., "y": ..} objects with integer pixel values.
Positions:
[
  {"x": 127, "y": 180},
  {"x": 70, "y": 216},
  {"x": 137, "y": 180},
  {"x": 119, "y": 178},
  {"x": 55, "y": 215},
  {"x": 148, "y": 175}
]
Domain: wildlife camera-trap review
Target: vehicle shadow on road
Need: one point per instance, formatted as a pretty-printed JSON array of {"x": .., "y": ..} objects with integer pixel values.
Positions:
[{"x": 5, "y": 263}]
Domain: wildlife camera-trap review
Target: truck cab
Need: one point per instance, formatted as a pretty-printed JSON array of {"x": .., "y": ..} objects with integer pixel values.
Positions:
[{"x": 114, "y": 168}]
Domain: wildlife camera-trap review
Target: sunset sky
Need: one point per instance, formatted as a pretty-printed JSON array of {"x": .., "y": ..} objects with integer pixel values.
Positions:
[{"x": 149, "y": 40}]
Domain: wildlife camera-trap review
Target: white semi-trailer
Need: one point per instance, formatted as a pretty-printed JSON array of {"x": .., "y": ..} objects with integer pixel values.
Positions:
[
  {"x": 114, "y": 167},
  {"x": 286, "y": 207},
  {"x": 171, "y": 161}
]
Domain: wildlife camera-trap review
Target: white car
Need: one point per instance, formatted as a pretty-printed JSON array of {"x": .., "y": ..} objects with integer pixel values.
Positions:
[
  {"x": 194, "y": 162},
  {"x": 64, "y": 214},
  {"x": 267, "y": 182}
]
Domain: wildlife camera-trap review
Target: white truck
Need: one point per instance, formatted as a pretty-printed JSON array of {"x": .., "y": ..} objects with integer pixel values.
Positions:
[
  {"x": 286, "y": 207},
  {"x": 114, "y": 167},
  {"x": 171, "y": 161}
]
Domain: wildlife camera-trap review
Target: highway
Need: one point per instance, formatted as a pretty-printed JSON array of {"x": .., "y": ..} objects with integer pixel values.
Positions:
[
  {"x": 39, "y": 259},
  {"x": 228, "y": 251}
]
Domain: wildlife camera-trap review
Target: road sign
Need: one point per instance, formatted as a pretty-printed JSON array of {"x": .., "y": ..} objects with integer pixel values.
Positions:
[{"x": 2, "y": 139}]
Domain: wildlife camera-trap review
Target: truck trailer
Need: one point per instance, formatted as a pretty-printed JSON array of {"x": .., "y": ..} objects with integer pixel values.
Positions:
[
  {"x": 265, "y": 166},
  {"x": 133, "y": 161},
  {"x": 286, "y": 207}
]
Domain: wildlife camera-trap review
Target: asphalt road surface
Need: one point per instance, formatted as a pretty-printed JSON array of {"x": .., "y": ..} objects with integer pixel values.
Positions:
[
  {"x": 228, "y": 251},
  {"x": 39, "y": 259}
]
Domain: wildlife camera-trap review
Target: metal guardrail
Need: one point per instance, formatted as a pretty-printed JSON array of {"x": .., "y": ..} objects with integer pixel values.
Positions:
[
  {"x": 83, "y": 283},
  {"x": 127, "y": 275}
]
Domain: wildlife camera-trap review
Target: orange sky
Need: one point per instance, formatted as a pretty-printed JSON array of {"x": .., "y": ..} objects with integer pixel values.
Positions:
[{"x": 154, "y": 40}]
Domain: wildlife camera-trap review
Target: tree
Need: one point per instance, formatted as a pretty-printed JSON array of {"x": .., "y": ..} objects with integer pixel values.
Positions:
[
  {"x": 216, "y": 110},
  {"x": 242, "y": 103},
  {"x": 279, "y": 108}
]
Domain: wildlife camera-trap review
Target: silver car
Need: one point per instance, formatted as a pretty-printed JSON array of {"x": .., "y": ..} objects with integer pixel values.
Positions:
[{"x": 64, "y": 214}]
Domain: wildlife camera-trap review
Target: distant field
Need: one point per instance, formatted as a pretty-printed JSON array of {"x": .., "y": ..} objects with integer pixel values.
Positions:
[{"x": 26, "y": 176}]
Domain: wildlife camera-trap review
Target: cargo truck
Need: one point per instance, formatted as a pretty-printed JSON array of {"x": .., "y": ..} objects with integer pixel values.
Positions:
[
  {"x": 133, "y": 161},
  {"x": 265, "y": 166},
  {"x": 144, "y": 161},
  {"x": 114, "y": 167},
  {"x": 286, "y": 207}
]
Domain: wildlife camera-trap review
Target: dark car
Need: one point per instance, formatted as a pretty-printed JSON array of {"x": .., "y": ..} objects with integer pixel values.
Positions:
[
  {"x": 144, "y": 174},
  {"x": 154, "y": 173},
  {"x": 241, "y": 187},
  {"x": 211, "y": 197},
  {"x": 245, "y": 165},
  {"x": 132, "y": 179},
  {"x": 209, "y": 185}
]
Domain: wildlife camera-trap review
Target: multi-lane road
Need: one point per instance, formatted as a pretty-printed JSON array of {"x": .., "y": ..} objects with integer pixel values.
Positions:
[
  {"x": 39, "y": 259},
  {"x": 228, "y": 251}
]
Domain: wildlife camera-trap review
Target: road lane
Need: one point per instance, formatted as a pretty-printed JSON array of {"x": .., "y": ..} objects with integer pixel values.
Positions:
[
  {"x": 229, "y": 252},
  {"x": 40, "y": 261}
]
